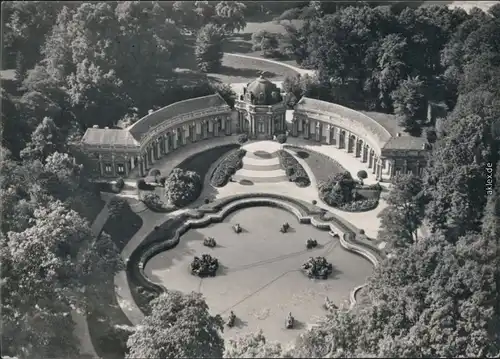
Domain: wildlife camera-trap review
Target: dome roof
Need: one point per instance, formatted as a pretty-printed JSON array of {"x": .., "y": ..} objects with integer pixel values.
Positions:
[{"x": 263, "y": 90}]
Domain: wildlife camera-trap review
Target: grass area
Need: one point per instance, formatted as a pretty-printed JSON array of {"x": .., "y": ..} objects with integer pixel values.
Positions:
[
  {"x": 201, "y": 163},
  {"x": 108, "y": 343},
  {"x": 241, "y": 42},
  {"x": 239, "y": 70},
  {"x": 321, "y": 166}
]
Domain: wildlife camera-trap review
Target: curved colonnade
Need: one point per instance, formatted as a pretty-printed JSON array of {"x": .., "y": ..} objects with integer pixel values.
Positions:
[
  {"x": 344, "y": 128},
  {"x": 216, "y": 213},
  {"x": 117, "y": 152}
]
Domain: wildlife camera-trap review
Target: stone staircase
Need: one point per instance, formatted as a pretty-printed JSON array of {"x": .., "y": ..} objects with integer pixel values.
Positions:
[{"x": 260, "y": 167}]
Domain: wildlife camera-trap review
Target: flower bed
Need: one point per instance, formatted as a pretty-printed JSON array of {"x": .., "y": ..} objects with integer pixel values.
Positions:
[
  {"x": 360, "y": 206},
  {"x": 227, "y": 167},
  {"x": 321, "y": 165},
  {"x": 294, "y": 171},
  {"x": 155, "y": 204}
]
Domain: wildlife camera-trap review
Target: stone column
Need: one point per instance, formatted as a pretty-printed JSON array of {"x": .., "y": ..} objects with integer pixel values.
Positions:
[
  {"x": 305, "y": 129},
  {"x": 101, "y": 169},
  {"x": 132, "y": 162},
  {"x": 126, "y": 165},
  {"x": 166, "y": 142},
  {"x": 339, "y": 137},
  {"x": 364, "y": 151},
  {"x": 379, "y": 173},
  {"x": 328, "y": 134},
  {"x": 318, "y": 133},
  {"x": 216, "y": 128},
  {"x": 228, "y": 125},
  {"x": 141, "y": 167},
  {"x": 375, "y": 164},
  {"x": 151, "y": 156},
  {"x": 174, "y": 139},
  {"x": 405, "y": 166},
  {"x": 370, "y": 159},
  {"x": 158, "y": 148},
  {"x": 113, "y": 165},
  {"x": 270, "y": 126}
]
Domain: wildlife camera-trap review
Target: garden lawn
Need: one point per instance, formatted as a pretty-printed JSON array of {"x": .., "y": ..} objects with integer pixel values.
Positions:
[
  {"x": 108, "y": 313},
  {"x": 241, "y": 42},
  {"x": 201, "y": 162},
  {"x": 321, "y": 166},
  {"x": 236, "y": 69}
]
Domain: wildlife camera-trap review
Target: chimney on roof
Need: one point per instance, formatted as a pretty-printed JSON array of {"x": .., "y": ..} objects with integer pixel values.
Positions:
[
  {"x": 150, "y": 111},
  {"x": 398, "y": 134},
  {"x": 95, "y": 126},
  {"x": 106, "y": 128}
]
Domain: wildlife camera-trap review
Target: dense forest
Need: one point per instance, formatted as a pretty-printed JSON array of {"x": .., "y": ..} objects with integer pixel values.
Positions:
[{"x": 437, "y": 296}]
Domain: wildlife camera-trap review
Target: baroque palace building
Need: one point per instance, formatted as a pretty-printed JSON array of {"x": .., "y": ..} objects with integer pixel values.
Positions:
[{"x": 260, "y": 112}]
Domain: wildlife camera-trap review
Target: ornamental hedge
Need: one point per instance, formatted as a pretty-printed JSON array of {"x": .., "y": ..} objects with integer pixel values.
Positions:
[
  {"x": 227, "y": 167},
  {"x": 182, "y": 187},
  {"x": 293, "y": 169}
]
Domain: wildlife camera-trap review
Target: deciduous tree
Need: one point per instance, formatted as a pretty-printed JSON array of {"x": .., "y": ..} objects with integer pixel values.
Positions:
[
  {"x": 208, "y": 49},
  {"x": 180, "y": 326}
]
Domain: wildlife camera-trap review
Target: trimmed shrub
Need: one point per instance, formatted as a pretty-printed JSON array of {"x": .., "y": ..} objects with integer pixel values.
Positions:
[
  {"x": 242, "y": 138},
  {"x": 227, "y": 167},
  {"x": 154, "y": 203},
  {"x": 154, "y": 172},
  {"x": 182, "y": 187},
  {"x": 281, "y": 138},
  {"x": 360, "y": 206},
  {"x": 314, "y": 202},
  {"x": 120, "y": 183},
  {"x": 162, "y": 180},
  {"x": 206, "y": 201},
  {"x": 362, "y": 175}
]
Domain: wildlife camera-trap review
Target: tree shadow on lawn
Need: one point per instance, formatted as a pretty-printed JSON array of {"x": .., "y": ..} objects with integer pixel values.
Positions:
[
  {"x": 242, "y": 72},
  {"x": 101, "y": 321},
  {"x": 302, "y": 154},
  {"x": 242, "y": 36},
  {"x": 238, "y": 47}
]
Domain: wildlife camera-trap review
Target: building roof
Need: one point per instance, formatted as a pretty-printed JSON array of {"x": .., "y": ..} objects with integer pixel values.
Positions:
[
  {"x": 406, "y": 143},
  {"x": 150, "y": 121},
  {"x": 265, "y": 87},
  {"x": 384, "y": 127},
  {"x": 388, "y": 121},
  {"x": 108, "y": 137},
  {"x": 377, "y": 129}
]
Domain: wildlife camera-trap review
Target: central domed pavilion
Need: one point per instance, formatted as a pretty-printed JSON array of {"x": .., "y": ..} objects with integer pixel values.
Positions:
[{"x": 261, "y": 109}]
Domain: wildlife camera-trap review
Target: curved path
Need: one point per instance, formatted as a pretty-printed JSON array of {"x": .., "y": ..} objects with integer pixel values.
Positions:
[{"x": 295, "y": 68}]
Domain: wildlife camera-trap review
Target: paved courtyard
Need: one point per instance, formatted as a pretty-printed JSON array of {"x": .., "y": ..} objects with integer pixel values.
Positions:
[{"x": 260, "y": 278}]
